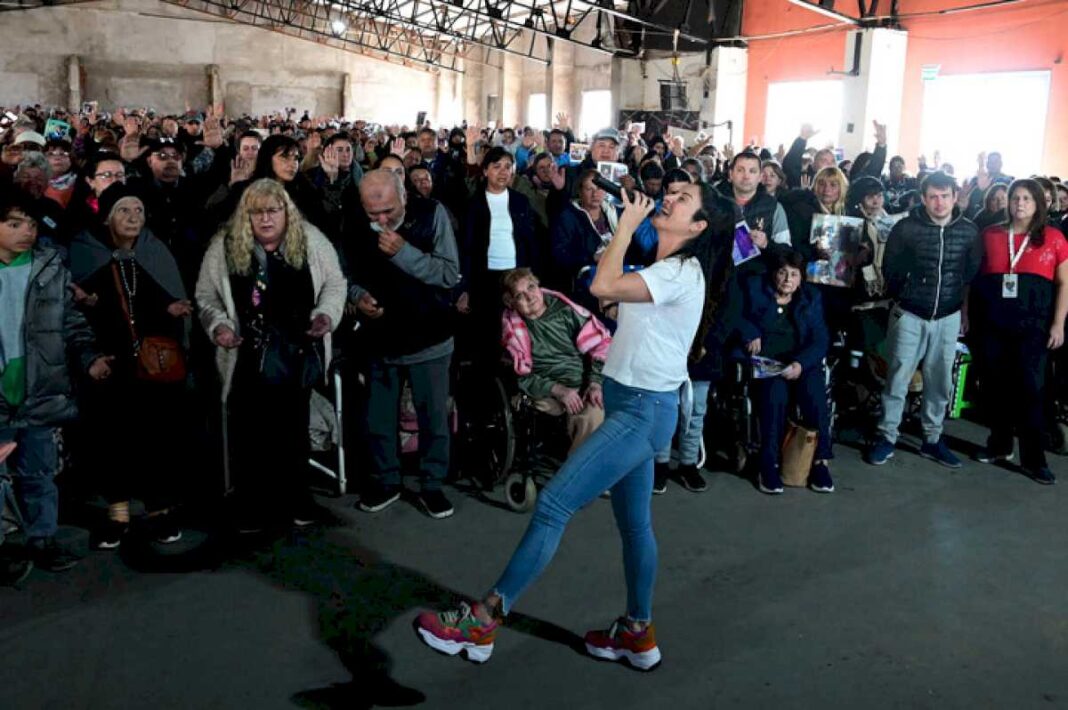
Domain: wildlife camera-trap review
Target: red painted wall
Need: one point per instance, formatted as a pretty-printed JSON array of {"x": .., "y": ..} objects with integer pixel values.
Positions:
[{"x": 1032, "y": 35}]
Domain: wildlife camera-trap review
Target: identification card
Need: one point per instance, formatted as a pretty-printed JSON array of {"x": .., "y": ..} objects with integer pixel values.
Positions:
[{"x": 1009, "y": 285}]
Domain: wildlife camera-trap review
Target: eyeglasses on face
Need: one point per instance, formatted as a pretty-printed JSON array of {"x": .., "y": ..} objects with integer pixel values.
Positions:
[
  {"x": 268, "y": 212},
  {"x": 109, "y": 175},
  {"x": 166, "y": 155}
]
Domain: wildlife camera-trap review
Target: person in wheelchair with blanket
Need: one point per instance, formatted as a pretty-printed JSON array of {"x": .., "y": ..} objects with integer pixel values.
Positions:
[
  {"x": 558, "y": 349},
  {"x": 782, "y": 319}
]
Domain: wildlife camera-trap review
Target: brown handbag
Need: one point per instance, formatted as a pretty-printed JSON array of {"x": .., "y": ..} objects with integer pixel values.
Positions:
[
  {"x": 159, "y": 358},
  {"x": 798, "y": 450}
]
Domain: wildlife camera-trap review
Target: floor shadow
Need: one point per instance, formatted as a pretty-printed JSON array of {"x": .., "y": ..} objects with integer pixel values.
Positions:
[{"x": 357, "y": 596}]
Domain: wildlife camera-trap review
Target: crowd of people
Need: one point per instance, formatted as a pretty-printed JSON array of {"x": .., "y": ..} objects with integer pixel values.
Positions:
[{"x": 152, "y": 266}]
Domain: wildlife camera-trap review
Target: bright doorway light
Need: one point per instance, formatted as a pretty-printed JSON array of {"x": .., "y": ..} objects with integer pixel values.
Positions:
[
  {"x": 537, "y": 111},
  {"x": 793, "y": 103},
  {"x": 966, "y": 114},
  {"x": 596, "y": 112}
]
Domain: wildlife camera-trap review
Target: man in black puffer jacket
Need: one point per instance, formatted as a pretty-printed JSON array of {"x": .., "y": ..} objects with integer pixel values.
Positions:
[{"x": 931, "y": 256}]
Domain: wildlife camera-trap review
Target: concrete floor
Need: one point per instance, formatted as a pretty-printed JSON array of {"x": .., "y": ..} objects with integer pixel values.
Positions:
[{"x": 910, "y": 587}]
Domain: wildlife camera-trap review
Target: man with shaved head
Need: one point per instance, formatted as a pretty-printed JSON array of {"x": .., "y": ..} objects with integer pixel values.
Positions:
[{"x": 404, "y": 262}]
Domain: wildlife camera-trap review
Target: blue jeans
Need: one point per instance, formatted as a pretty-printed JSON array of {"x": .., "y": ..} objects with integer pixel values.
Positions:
[
  {"x": 29, "y": 471},
  {"x": 690, "y": 440},
  {"x": 618, "y": 456}
]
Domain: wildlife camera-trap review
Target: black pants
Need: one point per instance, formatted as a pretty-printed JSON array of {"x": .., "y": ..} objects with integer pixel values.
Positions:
[
  {"x": 137, "y": 436},
  {"x": 773, "y": 398},
  {"x": 1012, "y": 375},
  {"x": 268, "y": 428}
]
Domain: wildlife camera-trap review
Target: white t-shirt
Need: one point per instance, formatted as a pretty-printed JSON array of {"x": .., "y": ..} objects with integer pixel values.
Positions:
[
  {"x": 653, "y": 340},
  {"x": 501, "y": 255}
]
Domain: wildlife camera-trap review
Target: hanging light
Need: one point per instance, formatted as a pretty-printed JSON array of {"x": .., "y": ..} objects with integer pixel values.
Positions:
[{"x": 338, "y": 26}]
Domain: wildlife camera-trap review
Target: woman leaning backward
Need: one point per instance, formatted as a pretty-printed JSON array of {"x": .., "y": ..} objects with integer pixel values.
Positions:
[{"x": 659, "y": 315}]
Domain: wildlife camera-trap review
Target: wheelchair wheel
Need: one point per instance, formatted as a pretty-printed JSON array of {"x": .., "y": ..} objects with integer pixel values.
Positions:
[
  {"x": 1057, "y": 439},
  {"x": 520, "y": 492}
]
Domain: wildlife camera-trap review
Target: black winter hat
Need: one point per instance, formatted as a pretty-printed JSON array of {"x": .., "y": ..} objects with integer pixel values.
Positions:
[{"x": 111, "y": 196}]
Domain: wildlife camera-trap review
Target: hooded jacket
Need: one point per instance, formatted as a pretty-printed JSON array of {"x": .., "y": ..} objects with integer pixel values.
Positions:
[
  {"x": 927, "y": 266},
  {"x": 56, "y": 333}
]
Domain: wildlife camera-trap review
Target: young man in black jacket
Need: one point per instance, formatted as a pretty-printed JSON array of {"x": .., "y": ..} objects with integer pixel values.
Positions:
[{"x": 931, "y": 257}]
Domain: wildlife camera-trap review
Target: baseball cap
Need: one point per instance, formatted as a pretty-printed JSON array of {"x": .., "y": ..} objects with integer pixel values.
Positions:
[
  {"x": 30, "y": 137},
  {"x": 608, "y": 134}
]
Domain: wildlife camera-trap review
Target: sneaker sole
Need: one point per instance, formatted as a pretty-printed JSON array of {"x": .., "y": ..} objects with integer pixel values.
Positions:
[
  {"x": 643, "y": 661},
  {"x": 878, "y": 462},
  {"x": 769, "y": 491},
  {"x": 822, "y": 489},
  {"x": 940, "y": 462},
  {"x": 1008, "y": 458},
  {"x": 440, "y": 515},
  {"x": 381, "y": 506},
  {"x": 169, "y": 540},
  {"x": 300, "y": 523},
  {"x": 473, "y": 652},
  {"x": 660, "y": 491},
  {"x": 695, "y": 489},
  {"x": 108, "y": 545}
]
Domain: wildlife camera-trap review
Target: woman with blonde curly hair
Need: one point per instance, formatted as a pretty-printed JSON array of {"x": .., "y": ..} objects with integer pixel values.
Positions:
[
  {"x": 270, "y": 292},
  {"x": 827, "y": 196}
]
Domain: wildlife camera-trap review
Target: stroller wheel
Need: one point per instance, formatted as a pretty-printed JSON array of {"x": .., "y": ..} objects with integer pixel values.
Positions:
[{"x": 520, "y": 492}]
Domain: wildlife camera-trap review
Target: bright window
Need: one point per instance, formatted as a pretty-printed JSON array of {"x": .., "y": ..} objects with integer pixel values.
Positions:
[
  {"x": 966, "y": 114},
  {"x": 792, "y": 103},
  {"x": 596, "y": 112},
  {"x": 537, "y": 111}
]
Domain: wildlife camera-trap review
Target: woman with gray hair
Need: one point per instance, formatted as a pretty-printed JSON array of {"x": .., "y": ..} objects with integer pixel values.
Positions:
[
  {"x": 127, "y": 283},
  {"x": 32, "y": 176},
  {"x": 269, "y": 294}
]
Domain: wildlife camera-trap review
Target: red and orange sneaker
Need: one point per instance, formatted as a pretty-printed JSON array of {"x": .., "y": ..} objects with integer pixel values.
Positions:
[
  {"x": 619, "y": 643},
  {"x": 456, "y": 631}
]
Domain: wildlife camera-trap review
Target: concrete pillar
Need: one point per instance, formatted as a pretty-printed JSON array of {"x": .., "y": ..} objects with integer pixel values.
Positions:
[
  {"x": 512, "y": 108},
  {"x": 74, "y": 84},
  {"x": 875, "y": 93},
  {"x": 215, "y": 88},
  {"x": 473, "y": 103},
  {"x": 726, "y": 98},
  {"x": 562, "y": 95},
  {"x": 347, "y": 107}
]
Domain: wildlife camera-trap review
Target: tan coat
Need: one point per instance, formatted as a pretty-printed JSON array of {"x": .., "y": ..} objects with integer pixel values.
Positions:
[{"x": 216, "y": 307}]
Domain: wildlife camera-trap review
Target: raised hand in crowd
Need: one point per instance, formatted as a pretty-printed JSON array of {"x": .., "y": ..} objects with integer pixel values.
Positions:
[
  {"x": 559, "y": 177},
  {"x": 212, "y": 135},
  {"x": 130, "y": 147},
  {"x": 397, "y": 147},
  {"x": 753, "y": 346},
  {"x": 328, "y": 161},
  {"x": 807, "y": 131},
  {"x": 780, "y": 153},
  {"x": 563, "y": 121},
  {"x": 806, "y": 181},
  {"x": 241, "y": 170},
  {"x": 880, "y": 133}
]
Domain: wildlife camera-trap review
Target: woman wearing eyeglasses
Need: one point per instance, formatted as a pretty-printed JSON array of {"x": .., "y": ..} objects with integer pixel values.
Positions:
[
  {"x": 279, "y": 159},
  {"x": 269, "y": 294}
]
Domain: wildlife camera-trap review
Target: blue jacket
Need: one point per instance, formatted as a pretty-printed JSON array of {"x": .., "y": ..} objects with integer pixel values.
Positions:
[{"x": 758, "y": 309}]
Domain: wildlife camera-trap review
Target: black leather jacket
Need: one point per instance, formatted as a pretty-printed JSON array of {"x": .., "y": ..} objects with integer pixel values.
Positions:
[{"x": 927, "y": 267}]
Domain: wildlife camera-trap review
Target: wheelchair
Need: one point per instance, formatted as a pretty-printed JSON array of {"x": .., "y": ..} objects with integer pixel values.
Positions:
[{"x": 502, "y": 439}]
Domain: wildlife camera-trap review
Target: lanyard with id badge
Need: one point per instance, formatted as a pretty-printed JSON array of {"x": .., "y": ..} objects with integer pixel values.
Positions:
[{"x": 1010, "y": 282}]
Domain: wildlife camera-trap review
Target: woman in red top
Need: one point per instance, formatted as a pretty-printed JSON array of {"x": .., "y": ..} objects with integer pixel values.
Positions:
[{"x": 1018, "y": 305}]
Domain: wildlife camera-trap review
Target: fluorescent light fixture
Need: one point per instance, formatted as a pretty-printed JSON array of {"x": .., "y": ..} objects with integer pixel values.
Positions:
[
  {"x": 338, "y": 26},
  {"x": 824, "y": 11}
]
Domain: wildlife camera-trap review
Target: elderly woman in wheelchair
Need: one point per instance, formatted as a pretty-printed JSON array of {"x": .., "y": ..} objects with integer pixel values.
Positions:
[
  {"x": 557, "y": 350},
  {"x": 782, "y": 332}
]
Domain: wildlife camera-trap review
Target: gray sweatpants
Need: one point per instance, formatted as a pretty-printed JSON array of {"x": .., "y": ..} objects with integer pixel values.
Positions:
[{"x": 910, "y": 339}]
